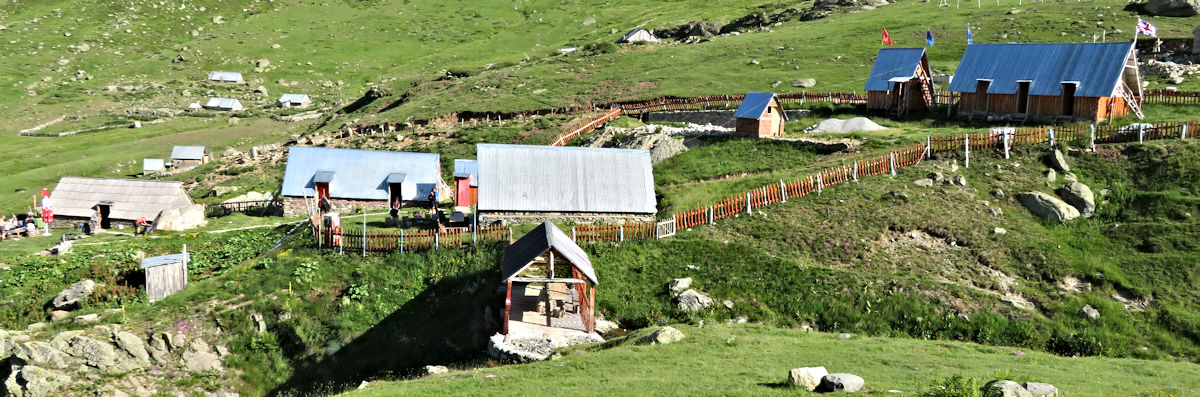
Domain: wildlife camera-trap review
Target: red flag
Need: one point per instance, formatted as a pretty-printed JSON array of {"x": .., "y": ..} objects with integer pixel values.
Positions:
[{"x": 886, "y": 39}]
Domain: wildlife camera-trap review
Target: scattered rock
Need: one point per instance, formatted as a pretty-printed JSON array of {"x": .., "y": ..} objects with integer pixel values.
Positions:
[
  {"x": 845, "y": 336},
  {"x": 93, "y": 352},
  {"x": 1005, "y": 388},
  {"x": 804, "y": 83},
  {"x": 603, "y": 327},
  {"x": 1048, "y": 207},
  {"x": 924, "y": 182},
  {"x": 34, "y": 381},
  {"x": 677, "y": 286},
  {"x": 1051, "y": 176},
  {"x": 807, "y": 377},
  {"x": 1056, "y": 160},
  {"x": 260, "y": 90},
  {"x": 728, "y": 304},
  {"x": 132, "y": 345},
  {"x": 72, "y": 295},
  {"x": 59, "y": 315},
  {"x": 840, "y": 382},
  {"x": 937, "y": 177},
  {"x": 960, "y": 180},
  {"x": 692, "y": 300},
  {"x": 259, "y": 324},
  {"x": 1090, "y": 312},
  {"x": 1041, "y": 389},
  {"x": 995, "y": 211},
  {"x": 664, "y": 335},
  {"x": 182, "y": 218},
  {"x": 218, "y": 19},
  {"x": 999, "y": 231},
  {"x": 1079, "y": 196},
  {"x": 200, "y": 362},
  {"x": 436, "y": 369},
  {"x": 87, "y": 319}
]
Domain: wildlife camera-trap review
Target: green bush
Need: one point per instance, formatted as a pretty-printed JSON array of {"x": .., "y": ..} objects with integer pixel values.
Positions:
[
  {"x": 603, "y": 47},
  {"x": 955, "y": 386}
]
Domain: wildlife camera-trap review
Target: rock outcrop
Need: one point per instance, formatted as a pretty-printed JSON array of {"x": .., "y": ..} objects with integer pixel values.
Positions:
[
  {"x": 840, "y": 382},
  {"x": 180, "y": 219},
  {"x": 1172, "y": 8},
  {"x": 1079, "y": 196},
  {"x": 661, "y": 336},
  {"x": 1048, "y": 207},
  {"x": 71, "y": 296},
  {"x": 692, "y": 300},
  {"x": 807, "y": 377}
]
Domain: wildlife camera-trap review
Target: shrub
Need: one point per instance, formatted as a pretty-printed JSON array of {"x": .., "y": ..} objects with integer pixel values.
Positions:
[
  {"x": 601, "y": 48},
  {"x": 955, "y": 386}
]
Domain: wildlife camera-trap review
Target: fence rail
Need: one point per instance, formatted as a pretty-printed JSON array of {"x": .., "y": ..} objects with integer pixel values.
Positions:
[
  {"x": 252, "y": 208},
  {"x": 410, "y": 241}
]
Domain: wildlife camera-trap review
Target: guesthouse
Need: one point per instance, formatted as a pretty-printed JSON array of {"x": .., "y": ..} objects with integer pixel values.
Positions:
[
  {"x": 550, "y": 285},
  {"x": 119, "y": 202},
  {"x": 223, "y": 104},
  {"x": 189, "y": 156},
  {"x": 225, "y": 77},
  {"x": 638, "y": 35},
  {"x": 1048, "y": 82},
  {"x": 294, "y": 101},
  {"x": 166, "y": 274},
  {"x": 760, "y": 115},
  {"x": 353, "y": 178},
  {"x": 900, "y": 82},
  {"x": 525, "y": 183},
  {"x": 466, "y": 182}
]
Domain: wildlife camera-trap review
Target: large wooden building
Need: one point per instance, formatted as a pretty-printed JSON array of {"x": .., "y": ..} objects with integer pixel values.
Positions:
[
  {"x": 550, "y": 284},
  {"x": 1048, "y": 82},
  {"x": 760, "y": 115},
  {"x": 353, "y": 178},
  {"x": 119, "y": 201},
  {"x": 900, "y": 82}
]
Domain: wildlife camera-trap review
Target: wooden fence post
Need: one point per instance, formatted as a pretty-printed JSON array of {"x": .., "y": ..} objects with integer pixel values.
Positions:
[
  {"x": 401, "y": 241},
  {"x": 573, "y": 233},
  {"x": 436, "y": 241},
  {"x": 1183, "y": 131},
  {"x": 475, "y": 228},
  {"x": 749, "y": 204},
  {"x": 621, "y": 236},
  {"x": 782, "y": 192},
  {"x": 967, "y": 150},
  {"x": 1005, "y": 143},
  {"x": 364, "y": 232},
  {"x": 711, "y": 212},
  {"x": 855, "y": 173},
  {"x": 892, "y": 162}
]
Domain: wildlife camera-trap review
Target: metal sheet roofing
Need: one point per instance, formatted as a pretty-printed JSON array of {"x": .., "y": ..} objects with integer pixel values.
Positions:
[
  {"x": 359, "y": 174},
  {"x": 397, "y": 177},
  {"x": 1097, "y": 67},
  {"x": 164, "y": 260},
  {"x": 638, "y": 34},
  {"x": 232, "y": 77},
  {"x": 323, "y": 176},
  {"x": 187, "y": 153},
  {"x": 149, "y": 165},
  {"x": 131, "y": 198},
  {"x": 223, "y": 103},
  {"x": 564, "y": 179},
  {"x": 294, "y": 98},
  {"x": 541, "y": 239},
  {"x": 755, "y": 104},
  {"x": 465, "y": 168},
  {"x": 892, "y": 63}
]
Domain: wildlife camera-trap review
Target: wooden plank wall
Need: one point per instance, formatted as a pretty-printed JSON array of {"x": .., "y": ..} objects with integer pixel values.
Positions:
[
  {"x": 162, "y": 281},
  {"x": 1044, "y": 106}
]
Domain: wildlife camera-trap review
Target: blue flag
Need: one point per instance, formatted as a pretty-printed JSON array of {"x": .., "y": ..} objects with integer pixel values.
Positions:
[
  {"x": 969, "y": 35},
  {"x": 928, "y": 38}
]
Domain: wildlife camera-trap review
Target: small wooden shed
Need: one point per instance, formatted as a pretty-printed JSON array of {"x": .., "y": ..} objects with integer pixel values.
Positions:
[
  {"x": 760, "y": 115},
  {"x": 551, "y": 285},
  {"x": 900, "y": 82},
  {"x": 466, "y": 182},
  {"x": 165, "y": 275}
]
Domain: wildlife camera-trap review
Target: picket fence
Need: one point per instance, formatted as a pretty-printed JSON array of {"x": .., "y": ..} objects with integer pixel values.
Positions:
[{"x": 400, "y": 240}]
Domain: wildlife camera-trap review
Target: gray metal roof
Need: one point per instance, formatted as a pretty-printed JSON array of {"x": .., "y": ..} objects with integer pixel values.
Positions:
[
  {"x": 541, "y": 239},
  {"x": 153, "y": 165},
  {"x": 892, "y": 64},
  {"x": 564, "y": 179},
  {"x": 397, "y": 177},
  {"x": 755, "y": 104},
  {"x": 1098, "y": 67},
  {"x": 164, "y": 260},
  {"x": 323, "y": 176},
  {"x": 465, "y": 168},
  {"x": 359, "y": 174},
  {"x": 294, "y": 98},
  {"x": 638, "y": 34},
  {"x": 187, "y": 153},
  {"x": 223, "y": 103},
  {"x": 232, "y": 77},
  {"x": 131, "y": 198}
]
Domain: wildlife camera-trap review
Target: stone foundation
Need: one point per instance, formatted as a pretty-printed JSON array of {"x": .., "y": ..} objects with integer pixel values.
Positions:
[{"x": 492, "y": 217}]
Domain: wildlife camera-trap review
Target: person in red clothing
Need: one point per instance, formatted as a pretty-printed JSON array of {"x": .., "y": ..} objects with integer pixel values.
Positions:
[{"x": 140, "y": 226}]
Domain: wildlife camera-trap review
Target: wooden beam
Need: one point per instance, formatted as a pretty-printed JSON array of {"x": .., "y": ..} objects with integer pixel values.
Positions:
[
  {"x": 546, "y": 280},
  {"x": 507, "y": 306}
]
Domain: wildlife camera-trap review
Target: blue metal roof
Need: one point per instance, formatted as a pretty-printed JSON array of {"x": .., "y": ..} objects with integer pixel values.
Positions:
[
  {"x": 755, "y": 104},
  {"x": 187, "y": 153},
  {"x": 465, "y": 168},
  {"x": 163, "y": 260},
  {"x": 359, "y": 174},
  {"x": 1096, "y": 67},
  {"x": 894, "y": 63}
]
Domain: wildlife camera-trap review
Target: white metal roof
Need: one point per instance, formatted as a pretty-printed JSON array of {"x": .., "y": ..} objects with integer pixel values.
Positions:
[
  {"x": 223, "y": 103},
  {"x": 151, "y": 165},
  {"x": 187, "y": 153},
  {"x": 564, "y": 179},
  {"x": 229, "y": 77},
  {"x": 131, "y": 198},
  {"x": 358, "y": 174},
  {"x": 294, "y": 98}
]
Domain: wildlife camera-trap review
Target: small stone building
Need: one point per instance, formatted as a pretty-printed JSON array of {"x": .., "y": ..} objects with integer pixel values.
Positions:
[
  {"x": 120, "y": 201},
  {"x": 166, "y": 274},
  {"x": 760, "y": 115},
  {"x": 189, "y": 156},
  {"x": 353, "y": 178}
]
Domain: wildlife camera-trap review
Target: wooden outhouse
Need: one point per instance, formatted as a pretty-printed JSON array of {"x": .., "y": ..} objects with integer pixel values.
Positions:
[
  {"x": 550, "y": 284},
  {"x": 165, "y": 275},
  {"x": 1048, "y": 81},
  {"x": 466, "y": 182},
  {"x": 760, "y": 115},
  {"x": 900, "y": 82}
]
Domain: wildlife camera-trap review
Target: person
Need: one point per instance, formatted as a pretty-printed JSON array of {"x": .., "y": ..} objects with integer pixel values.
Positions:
[
  {"x": 3, "y": 228},
  {"x": 433, "y": 200},
  {"x": 30, "y": 227},
  {"x": 324, "y": 205},
  {"x": 395, "y": 212},
  {"x": 95, "y": 221},
  {"x": 140, "y": 226}
]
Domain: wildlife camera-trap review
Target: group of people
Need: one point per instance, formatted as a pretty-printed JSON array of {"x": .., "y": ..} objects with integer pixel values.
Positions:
[{"x": 14, "y": 227}]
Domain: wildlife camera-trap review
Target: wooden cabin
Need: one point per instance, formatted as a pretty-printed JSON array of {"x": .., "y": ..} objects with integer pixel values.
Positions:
[
  {"x": 550, "y": 284},
  {"x": 759, "y": 115},
  {"x": 119, "y": 201},
  {"x": 353, "y": 178},
  {"x": 165, "y": 275},
  {"x": 1048, "y": 82},
  {"x": 223, "y": 104},
  {"x": 466, "y": 182},
  {"x": 900, "y": 82}
]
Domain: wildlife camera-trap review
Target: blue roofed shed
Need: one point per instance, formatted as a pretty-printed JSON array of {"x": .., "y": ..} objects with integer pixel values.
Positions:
[
  {"x": 759, "y": 115},
  {"x": 900, "y": 81},
  {"x": 466, "y": 182},
  {"x": 361, "y": 177},
  {"x": 166, "y": 274}
]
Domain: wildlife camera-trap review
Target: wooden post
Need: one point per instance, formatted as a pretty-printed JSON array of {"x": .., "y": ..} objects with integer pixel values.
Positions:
[
  {"x": 782, "y": 191},
  {"x": 435, "y": 241},
  {"x": 475, "y": 227},
  {"x": 364, "y": 232},
  {"x": 1183, "y": 131},
  {"x": 1005, "y": 143},
  {"x": 551, "y": 266},
  {"x": 749, "y": 206},
  {"x": 711, "y": 212},
  {"x": 967, "y": 150},
  {"x": 1092, "y": 137},
  {"x": 892, "y": 162},
  {"x": 510, "y": 239},
  {"x": 507, "y": 306},
  {"x": 621, "y": 229},
  {"x": 928, "y": 148},
  {"x": 401, "y": 241},
  {"x": 855, "y": 173}
]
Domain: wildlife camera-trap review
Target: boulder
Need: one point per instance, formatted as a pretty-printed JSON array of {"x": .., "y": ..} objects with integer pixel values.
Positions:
[
  {"x": 807, "y": 377},
  {"x": 436, "y": 369},
  {"x": 677, "y": 286},
  {"x": 87, "y": 319},
  {"x": 1005, "y": 388},
  {"x": 1172, "y": 8},
  {"x": 603, "y": 327},
  {"x": 34, "y": 381},
  {"x": 1048, "y": 207},
  {"x": 1079, "y": 196},
  {"x": 1051, "y": 175},
  {"x": 1041, "y": 389},
  {"x": 95, "y": 353},
  {"x": 41, "y": 353},
  {"x": 804, "y": 83},
  {"x": 999, "y": 231},
  {"x": 182, "y": 218},
  {"x": 840, "y": 382},
  {"x": 937, "y": 177},
  {"x": 262, "y": 63},
  {"x": 1090, "y": 312},
  {"x": 132, "y": 345},
  {"x": 924, "y": 182},
  {"x": 692, "y": 300},
  {"x": 201, "y": 362},
  {"x": 71, "y": 296},
  {"x": 960, "y": 180},
  {"x": 662, "y": 335},
  {"x": 59, "y": 315},
  {"x": 1057, "y": 161}
]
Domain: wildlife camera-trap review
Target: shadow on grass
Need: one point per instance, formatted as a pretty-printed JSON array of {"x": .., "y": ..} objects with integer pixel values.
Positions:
[
  {"x": 449, "y": 322},
  {"x": 779, "y": 385}
]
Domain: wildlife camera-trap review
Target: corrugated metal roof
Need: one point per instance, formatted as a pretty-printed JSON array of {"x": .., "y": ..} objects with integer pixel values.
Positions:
[
  {"x": 232, "y": 77},
  {"x": 131, "y": 198},
  {"x": 892, "y": 63},
  {"x": 638, "y": 34},
  {"x": 149, "y": 165},
  {"x": 294, "y": 98},
  {"x": 465, "y": 168},
  {"x": 755, "y": 104},
  {"x": 223, "y": 103},
  {"x": 323, "y": 176},
  {"x": 163, "y": 260},
  {"x": 1098, "y": 67},
  {"x": 538, "y": 241},
  {"x": 564, "y": 179},
  {"x": 359, "y": 174},
  {"x": 187, "y": 153}
]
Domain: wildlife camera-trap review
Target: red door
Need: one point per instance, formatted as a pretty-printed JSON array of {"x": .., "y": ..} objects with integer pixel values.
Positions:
[{"x": 322, "y": 189}]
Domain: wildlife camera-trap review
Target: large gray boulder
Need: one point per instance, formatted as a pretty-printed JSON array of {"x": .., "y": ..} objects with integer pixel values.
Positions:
[
  {"x": 33, "y": 381},
  {"x": 1048, "y": 207},
  {"x": 677, "y": 286},
  {"x": 182, "y": 218},
  {"x": 71, "y": 296},
  {"x": 604, "y": 327},
  {"x": 1057, "y": 161},
  {"x": 1079, "y": 196},
  {"x": 42, "y": 354},
  {"x": 807, "y": 377},
  {"x": 662, "y": 335},
  {"x": 1041, "y": 389},
  {"x": 1172, "y": 8},
  {"x": 132, "y": 345},
  {"x": 692, "y": 300},
  {"x": 93, "y": 352},
  {"x": 201, "y": 362},
  {"x": 1005, "y": 388},
  {"x": 840, "y": 382}
]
